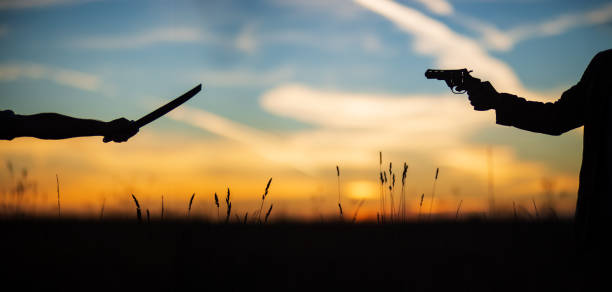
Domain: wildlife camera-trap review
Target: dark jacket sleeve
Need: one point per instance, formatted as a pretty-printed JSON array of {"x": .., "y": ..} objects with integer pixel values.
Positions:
[
  {"x": 7, "y": 125},
  {"x": 556, "y": 118}
]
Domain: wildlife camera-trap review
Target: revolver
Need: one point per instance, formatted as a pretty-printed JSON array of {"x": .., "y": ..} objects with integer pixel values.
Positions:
[{"x": 458, "y": 78}]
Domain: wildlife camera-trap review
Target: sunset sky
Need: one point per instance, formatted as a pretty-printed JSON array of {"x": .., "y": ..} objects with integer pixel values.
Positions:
[{"x": 291, "y": 89}]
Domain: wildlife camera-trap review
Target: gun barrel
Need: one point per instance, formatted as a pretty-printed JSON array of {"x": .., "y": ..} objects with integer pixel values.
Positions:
[
  {"x": 445, "y": 74},
  {"x": 434, "y": 74}
]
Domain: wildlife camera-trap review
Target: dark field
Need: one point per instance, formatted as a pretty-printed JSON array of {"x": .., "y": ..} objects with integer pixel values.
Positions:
[{"x": 442, "y": 256}]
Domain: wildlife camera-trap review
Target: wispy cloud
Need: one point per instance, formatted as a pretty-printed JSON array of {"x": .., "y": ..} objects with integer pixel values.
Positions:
[
  {"x": 245, "y": 77},
  {"x": 449, "y": 49},
  {"x": 67, "y": 77},
  {"x": 368, "y": 42},
  {"x": 25, "y": 4},
  {"x": 245, "y": 41},
  {"x": 143, "y": 39},
  {"x": 505, "y": 40},
  {"x": 348, "y": 125},
  {"x": 222, "y": 126},
  {"x": 441, "y": 7},
  {"x": 250, "y": 39},
  {"x": 381, "y": 112},
  {"x": 338, "y": 8},
  {"x": 352, "y": 126}
]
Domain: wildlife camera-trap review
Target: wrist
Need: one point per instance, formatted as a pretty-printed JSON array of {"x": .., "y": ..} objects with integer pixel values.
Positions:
[
  {"x": 497, "y": 99},
  {"x": 104, "y": 128}
]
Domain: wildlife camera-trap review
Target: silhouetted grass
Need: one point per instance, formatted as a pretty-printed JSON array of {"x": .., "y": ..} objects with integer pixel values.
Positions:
[
  {"x": 263, "y": 198},
  {"x": 183, "y": 254},
  {"x": 268, "y": 213},
  {"x": 339, "y": 197},
  {"x": 59, "y": 209},
  {"x": 228, "y": 203},
  {"x": 138, "y": 213},
  {"x": 433, "y": 192},
  {"x": 190, "y": 202},
  {"x": 217, "y": 204}
]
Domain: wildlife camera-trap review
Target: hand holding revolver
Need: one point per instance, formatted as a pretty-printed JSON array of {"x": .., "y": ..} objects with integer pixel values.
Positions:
[{"x": 482, "y": 95}]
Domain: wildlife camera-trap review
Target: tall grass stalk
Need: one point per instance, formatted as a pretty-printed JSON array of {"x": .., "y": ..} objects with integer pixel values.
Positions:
[
  {"x": 190, "y": 202},
  {"x": 162, "y": 209},
  {"x": 268, "y": 213},
  {"x": 138, "y": 213},
  {"x": 382, "y": 197},
  {"x": 357, "y": 210},
  {"x": 148, "y": 217},
  {"x": 382, "y": 188},
  {"x": 339, "y": 197},
  {"x": 59, "y": 209},
  {"x": 421, "y": 205},
  {"x": 535, "y": 208},
  {"x": 229, "y": 206},
  {"x": 458, "y": 210},
  {"x": 263, "y": 198},
  {"x": 514, "y": 209},
  {"x": 403, "y": 198},
  {"x": 433, "y": 192},
  {"x": 391, "y": 188},
  {"x": 217, "y": 204},
  {"x": 384, "y": 214},
  {"x": 102, "y": 210}
]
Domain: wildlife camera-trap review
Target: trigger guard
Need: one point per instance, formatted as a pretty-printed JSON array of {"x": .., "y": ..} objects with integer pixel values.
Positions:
[{"x": 455, "y": 91}]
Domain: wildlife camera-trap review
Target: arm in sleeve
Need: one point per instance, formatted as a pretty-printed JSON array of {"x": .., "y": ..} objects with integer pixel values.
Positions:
[
  {"x": 7, "y": 125},
  {"x": 55, "y": 126},
  {"x": 556, "y": 118}
]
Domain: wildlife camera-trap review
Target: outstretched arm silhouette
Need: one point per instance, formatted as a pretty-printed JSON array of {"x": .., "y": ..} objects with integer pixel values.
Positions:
[
  {"x": 553, "y": 118},
  {"x": 56, "y": 126},
  {"x": 588, "y": 104}
]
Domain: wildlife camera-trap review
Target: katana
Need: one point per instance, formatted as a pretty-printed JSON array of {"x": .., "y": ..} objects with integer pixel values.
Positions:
[{"x": 154, "y": 115}]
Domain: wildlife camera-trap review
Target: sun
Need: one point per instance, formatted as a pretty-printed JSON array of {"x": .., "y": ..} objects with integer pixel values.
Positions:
[{"x": 362, "y": 189}]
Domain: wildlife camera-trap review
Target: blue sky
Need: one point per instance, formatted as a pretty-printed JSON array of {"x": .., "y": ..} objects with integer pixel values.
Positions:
[{"x": 304, "y": 71}]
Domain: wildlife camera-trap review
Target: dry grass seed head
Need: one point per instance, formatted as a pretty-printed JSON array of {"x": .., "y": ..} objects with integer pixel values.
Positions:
[
  {"x": 267, "y": 188},
  {"x": 227, "y": 199},
  {"x": 136, "y": 201},
  {"x": 191, "y": 201}
]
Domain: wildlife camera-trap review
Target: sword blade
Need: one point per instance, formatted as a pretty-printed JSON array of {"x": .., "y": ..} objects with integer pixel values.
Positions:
[{"x": 168, "y": 107}]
